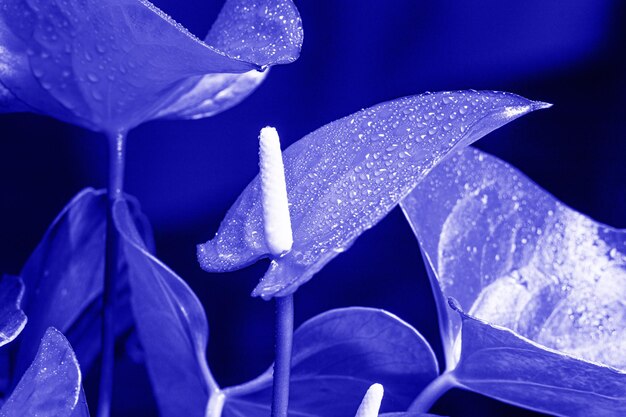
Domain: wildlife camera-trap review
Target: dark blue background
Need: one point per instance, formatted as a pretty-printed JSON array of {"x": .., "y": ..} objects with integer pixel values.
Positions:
[{"x": 355, "y": 54}]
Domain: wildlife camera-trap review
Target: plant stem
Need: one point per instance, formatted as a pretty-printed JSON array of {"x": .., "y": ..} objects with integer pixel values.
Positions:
[
  {"x": 282, "y": 365},
  {"x": 433, "y": 391},
  {"x": 117, "y": 147}
]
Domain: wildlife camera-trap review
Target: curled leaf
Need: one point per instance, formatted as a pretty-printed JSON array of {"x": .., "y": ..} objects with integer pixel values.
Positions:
[
  {"x": 111, "y": 65},
  {"x": 211, "y": 94},
  {"x": 171, "y": 324},
  {"x": 346, "y": 176},
  {"x": 64, "y": 276},
  {"x": 267, "y": 32},
  {"x": 12, "y": 318},
  {"x": 337, "y": 356},
  {"x": 51, "y": 386},
  {"x": 536, "y": 274}
]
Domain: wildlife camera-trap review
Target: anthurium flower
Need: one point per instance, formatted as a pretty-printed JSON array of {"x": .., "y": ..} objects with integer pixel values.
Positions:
[
  {"x": 346, "y": 176},
  {"x": 171, "y": 325},
  {"x": 110, "y": 65},
  {"x": 539, "y": 289}
]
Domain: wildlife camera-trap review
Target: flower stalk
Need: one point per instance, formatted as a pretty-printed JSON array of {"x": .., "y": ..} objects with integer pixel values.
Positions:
[{"x": 279, "y": 240}]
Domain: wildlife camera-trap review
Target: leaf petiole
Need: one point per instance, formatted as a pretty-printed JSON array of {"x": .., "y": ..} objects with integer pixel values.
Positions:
[
  {"x": 117, "y": 156},
  {"x": 433, "y": 391}
]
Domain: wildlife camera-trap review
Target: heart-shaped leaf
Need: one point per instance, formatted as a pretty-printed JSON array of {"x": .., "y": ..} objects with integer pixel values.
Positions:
[
  {"x": 64, "y": 277},
  {"x": 12, "y": 318},
  {"x": 109, "y": 65},
  {"x": 543, "y": 278},
  {"x": 345, "y": 177},
  {"x": 171, "y": 324},
  {"x": 500, "y": 363},
  {"x": 51, "y": 386},
  {"x": 337, "y": 355}
]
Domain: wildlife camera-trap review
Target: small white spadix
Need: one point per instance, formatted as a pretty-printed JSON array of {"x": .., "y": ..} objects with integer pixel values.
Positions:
[
  {"x": 276, "y": 220},
  {"x": 371, "y": 402}
]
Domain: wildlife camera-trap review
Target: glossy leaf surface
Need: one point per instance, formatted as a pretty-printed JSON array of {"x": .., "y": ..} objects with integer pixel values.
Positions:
[
  {"x": 171, "y": 324},
  {"x": 539, "y": 276},
  {"x": 211, "y": 94},
  {"x": 64, "y": 276},
  {"x": 110, "y": 65},
  {"x": 12, "y": 318},
  {"x": 51, "y": 386},
  {"x": 500, "y": 363},
  {"x": 345, "y": 177},
  {"x": 336, "y": 357},
  {"x": 266, "y": 32}
]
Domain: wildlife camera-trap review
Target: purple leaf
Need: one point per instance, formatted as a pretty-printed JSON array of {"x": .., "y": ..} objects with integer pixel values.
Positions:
[
  {"x": 545, "y": 284},
  {"x": 51, "y": 386},
  {"x": 171, "y": 324},
  {"x": 64, "y": 277},
  {"x": 12, "y": 318},
  {"x": 110, "y": 65},
  {"x": 336, "y": 357},
  {"x": 345, "y": 177}
]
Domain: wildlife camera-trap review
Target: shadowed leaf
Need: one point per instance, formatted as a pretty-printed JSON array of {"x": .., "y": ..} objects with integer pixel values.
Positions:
[
  {"x": 64, "y": 276},
  {"x": 345, "y": 177},
  {"x": 337, "y": 356},
  {"x": 12, "y": 318},
  {"x": 547, "y": 283},
  {"x": 171, "y": 325},
  {"x": 408, "y": 414},
  {"x": 51, "y": 386}
]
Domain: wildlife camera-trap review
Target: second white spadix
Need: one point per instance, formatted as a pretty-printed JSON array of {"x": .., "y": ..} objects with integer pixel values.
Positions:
[
  {"x": 276, "y": 220},
  {"x": 371, "y": 402}
]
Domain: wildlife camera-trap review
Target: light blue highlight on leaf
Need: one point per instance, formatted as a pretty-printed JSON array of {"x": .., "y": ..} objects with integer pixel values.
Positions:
[
  {"x": 543, "y": 287},
  {"x": 346, "y": 176}
]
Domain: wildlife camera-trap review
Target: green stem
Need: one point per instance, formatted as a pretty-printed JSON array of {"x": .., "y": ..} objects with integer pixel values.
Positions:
[
  {"x": 433, "y": 391},
  {"x": 117, "y": 154},
  {"x": 282, "y": 365}
]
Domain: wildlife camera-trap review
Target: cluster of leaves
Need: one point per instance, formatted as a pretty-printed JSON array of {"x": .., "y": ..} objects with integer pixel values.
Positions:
[{"x": 529, "y": 293}]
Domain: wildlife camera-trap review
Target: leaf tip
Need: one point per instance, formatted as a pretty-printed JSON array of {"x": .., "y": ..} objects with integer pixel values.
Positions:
[
  {"x": 208, "y": 257},
  {"x": 540, "y": 105}
]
